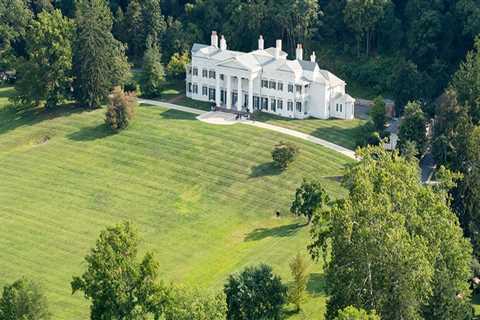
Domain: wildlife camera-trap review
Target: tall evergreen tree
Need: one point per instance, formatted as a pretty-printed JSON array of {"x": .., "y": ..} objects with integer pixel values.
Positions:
[
  {"x": 153, "y": 73},
  {"x": 99, "y": 59}
]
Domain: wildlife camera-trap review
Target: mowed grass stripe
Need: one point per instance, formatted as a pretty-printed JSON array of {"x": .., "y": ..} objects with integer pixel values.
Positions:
[{"x": 188, "y": 186}]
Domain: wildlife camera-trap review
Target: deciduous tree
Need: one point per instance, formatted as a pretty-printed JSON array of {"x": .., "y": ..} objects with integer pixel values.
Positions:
[
  {"x": 394, "y": 242},
  {"x": 377, "y": 114},
  {"x": 309, "y": 198},
  {"x": 352, "y": 313},
  {"x": 23, "y": 299},
  {"x": 119, "y": 286},
  {"x": 299, "y": 271},
  {"x": 46, "y": 73},
  {"x": 413, "y": 127},
  {"x": 256, "y": 293}
]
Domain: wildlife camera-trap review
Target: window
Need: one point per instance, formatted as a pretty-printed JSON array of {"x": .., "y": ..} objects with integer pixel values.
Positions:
[
  {"x": 280, "y": 86},
  {"x": 256, "y": 102},
  {"x": 204, "y": 73},
  {"x": 339, "y": 107},
  {"x": 298, "y": 88},
  {"x": 264, "y": 103},
  {"x": 222, "y": 77},
  {"x": 195, "y": 71},
  {"x": 204, "y": 90},
  {"x": 189, "y": 87},
  {"x": 272, "y": 84},
  {"x": 189, "y": 70},
  {"x": 290, "y": 87},
  {"x": 211, "y": 94},
  {"x": 289, "y": 106},
  {"x": 273, "y": 104},
  {"x": 280, "y": 104},
  {"x": 299, "y": 106},
  {"x": 195, "y": 88},
  {"x": 211, "y": 74},
  {"x": 264, "y": 83}
]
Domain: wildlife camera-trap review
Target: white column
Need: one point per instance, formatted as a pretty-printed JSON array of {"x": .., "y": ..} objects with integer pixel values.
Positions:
[
  {"x": 229, "y": 91},
  {"x": 239, "y": 94},
  {"x": 217, "y": 89},
  {"x": 250, "y": 94}
]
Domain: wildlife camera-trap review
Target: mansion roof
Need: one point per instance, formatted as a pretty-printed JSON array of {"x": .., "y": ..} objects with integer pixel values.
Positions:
[{"x": 264, "y": 59}]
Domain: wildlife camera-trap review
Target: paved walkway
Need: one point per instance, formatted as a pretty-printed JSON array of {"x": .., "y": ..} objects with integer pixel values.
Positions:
[{"x": 226, "y": 119}]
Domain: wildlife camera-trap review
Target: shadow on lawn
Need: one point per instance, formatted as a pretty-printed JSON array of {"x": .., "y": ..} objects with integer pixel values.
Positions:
[
  {"x": 316, "y": 284},
  {"x": 177, "y": 115},
  {"x": 12, "y": 117},
  {"x": 281, "y": 231},
  {"x": 91, "y": 133},
  {"x": 265, "y": 169}
]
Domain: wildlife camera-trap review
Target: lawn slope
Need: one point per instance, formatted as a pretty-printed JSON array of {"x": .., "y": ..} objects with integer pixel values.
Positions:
[{"x": 203, "y": 197}]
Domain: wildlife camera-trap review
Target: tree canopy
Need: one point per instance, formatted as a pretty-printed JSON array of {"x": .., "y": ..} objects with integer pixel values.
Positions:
[{"x": 396, "y": 247}]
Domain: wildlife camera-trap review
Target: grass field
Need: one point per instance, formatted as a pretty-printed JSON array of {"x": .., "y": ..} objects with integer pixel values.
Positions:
[
  {"x": 203, "y": 197},
  {"x": 342, "y": 132}
]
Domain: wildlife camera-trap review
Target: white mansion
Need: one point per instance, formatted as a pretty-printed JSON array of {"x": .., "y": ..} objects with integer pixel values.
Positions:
[{"x": 266, "y": 80}]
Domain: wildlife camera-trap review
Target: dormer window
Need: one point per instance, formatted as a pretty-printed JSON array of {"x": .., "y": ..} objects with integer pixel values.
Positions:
[
  {"x": 280, "y": 86},
  {"x": 272, "y": 84},
  {"x": 290, "y": 87},
  {"x": 195, "y": 71},
  {"x": 298, "y": 88},
  {"x": 211, "y": 74}
]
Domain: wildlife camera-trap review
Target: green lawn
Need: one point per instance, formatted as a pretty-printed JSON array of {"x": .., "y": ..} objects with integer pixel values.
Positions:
[
  {"x": 203, "y": 197},
  {"x": 342, "y": 132}
]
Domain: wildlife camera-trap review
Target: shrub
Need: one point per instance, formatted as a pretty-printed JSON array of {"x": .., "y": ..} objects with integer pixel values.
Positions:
[
  {"x": 121, "y": 109},
  {"x": 283, "y": 154},
  {"x": 23, "y": 299}
]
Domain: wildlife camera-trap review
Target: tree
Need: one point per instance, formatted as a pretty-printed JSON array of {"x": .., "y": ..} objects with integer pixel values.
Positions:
[
  {"x": 413, "y": 127},
  {"x": 99, "y": 59},
  {"x": 362, "y": 16},
  {"x": 177, "y": 65},
  {"x": 283, "y": 154},
  {"x": 466, "y": 83},
  {"x": 15, "y": 16},
  {"x": 409, "y": 150},
  {"x": 309, "y": 198},
  {"x": 406, "y": 84},
  {"x": 298, "y": 19},
  {"x": 352, "y": 313},
  {"x": 153, "y": 75},
  {"x": 299, "y": 271},
  {"x": 46, "y": 74},
  {"x": 394, "y": 242},
  {"x": 23, "y": 299},
  {"x": 118, "y": 285},
  {"x": 192, "y": 304},
  {"x": 256, "y": 293},
  {"x": 135, "y": 29},
  {"x": 377, "y": 113},
  {"x": 121, "y": 109}
]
